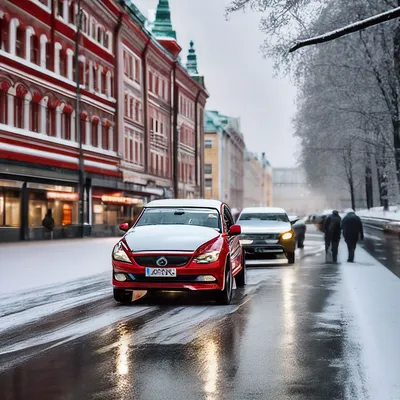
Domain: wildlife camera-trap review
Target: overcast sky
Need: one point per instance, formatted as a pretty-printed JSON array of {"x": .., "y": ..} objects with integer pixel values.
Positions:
[{"x": 240, "y": 81}]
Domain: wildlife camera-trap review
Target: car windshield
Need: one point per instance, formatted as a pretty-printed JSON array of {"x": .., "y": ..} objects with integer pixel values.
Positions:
[
  {"x": 264, "y": 217},
  {"x": 180, "y": 216}
]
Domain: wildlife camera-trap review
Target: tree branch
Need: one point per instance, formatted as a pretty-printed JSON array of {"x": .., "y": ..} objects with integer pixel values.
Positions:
[{"x": 357, "y": 26}]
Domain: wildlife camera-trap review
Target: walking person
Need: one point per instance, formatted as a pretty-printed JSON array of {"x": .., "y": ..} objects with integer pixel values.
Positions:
[
  {"x": 332, "y": 234},
  {"x": 48, "y": 222},
  {"x": 352, "y": 231}
]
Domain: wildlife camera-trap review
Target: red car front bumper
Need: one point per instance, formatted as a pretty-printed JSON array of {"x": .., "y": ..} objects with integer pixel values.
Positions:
[{"x": 188, "y": 277}]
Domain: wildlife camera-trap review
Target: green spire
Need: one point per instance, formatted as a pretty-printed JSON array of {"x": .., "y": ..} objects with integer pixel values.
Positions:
[
  {"x": 162, "y": 26},
  {"x": 191, "y": 64}
]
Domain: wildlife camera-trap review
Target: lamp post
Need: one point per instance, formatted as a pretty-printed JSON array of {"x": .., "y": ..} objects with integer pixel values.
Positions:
[{"x": 78, "y": 132}]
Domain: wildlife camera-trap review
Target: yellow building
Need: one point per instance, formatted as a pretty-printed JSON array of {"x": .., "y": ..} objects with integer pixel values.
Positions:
[
  {"x": 224, "y": 159},
  {"x": 257, "y": 181}
]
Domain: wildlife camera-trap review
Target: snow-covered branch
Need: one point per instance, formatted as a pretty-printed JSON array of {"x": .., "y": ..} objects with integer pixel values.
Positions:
[{"x": 355, "y": 27}]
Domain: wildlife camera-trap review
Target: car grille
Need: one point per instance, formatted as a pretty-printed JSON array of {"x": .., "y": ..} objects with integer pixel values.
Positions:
[
  {"x": 179, "y": 279},
  {"x": 151, "y": 261},
  {"x": 266, "y": 236}
]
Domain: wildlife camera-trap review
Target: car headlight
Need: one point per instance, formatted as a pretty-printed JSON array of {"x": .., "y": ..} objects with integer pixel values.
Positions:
[
  {"x": 119, "y": 254},
  {"x": 287, "y": 236},
  {"x": 207, "y": 258}
]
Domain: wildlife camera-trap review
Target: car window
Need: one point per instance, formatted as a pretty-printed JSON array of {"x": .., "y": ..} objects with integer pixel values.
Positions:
[
  {"x": 228, "y": 219},
  {"x": 180, "y": 216},
  {"x": 282, "y": 217}
]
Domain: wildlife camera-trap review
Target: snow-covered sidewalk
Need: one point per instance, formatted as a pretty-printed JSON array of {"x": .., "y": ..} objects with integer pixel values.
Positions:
[
  {"x": 29, "y": 265},
  {"x": 377, "y": 212},
  {"x": 370, "y": 295}
]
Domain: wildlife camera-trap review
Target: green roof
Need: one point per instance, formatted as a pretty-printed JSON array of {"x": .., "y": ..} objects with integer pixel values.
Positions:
[
  {"x": 191, "y": 64},
  {"x": 163, "y": 26}
]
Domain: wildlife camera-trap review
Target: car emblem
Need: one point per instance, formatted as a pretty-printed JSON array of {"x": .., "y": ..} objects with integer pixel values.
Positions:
[{"x": 162, "y": 262}]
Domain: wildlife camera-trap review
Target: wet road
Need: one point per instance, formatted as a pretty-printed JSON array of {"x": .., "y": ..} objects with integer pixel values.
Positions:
[
  {"x": 284, "y": 337},
  {"x": 385, "y": 247}
]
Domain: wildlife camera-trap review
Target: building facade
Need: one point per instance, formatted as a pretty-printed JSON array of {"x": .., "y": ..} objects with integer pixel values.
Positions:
[
  {"x": 224, "y": 159},
  {"x": 93, "y": 134},
  {"x": 257, "y": 181}
]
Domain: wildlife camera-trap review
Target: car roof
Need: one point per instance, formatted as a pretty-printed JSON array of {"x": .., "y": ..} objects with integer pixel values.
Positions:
[
  {"x": 203, "y": 203},
  {"x": 264, "y": 210}
]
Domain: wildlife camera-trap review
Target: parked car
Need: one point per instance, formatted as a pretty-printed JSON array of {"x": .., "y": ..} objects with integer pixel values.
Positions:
[
  {"x": 180, "y": 245},
  {"x": 266, "y": 232},
  {"x": 300, "y": 228}
]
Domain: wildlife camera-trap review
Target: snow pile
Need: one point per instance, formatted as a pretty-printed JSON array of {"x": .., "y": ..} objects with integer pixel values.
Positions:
[{"x": 378, "y": 212}]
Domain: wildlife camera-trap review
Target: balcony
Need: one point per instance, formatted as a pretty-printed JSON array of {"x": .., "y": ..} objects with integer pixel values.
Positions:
[{"x": 158, "y": 139}]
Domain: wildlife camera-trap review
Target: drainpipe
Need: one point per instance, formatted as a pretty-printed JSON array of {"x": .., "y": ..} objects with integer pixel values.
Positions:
[
  {"x": 175, "y": 133},
  {"x": 145, "y": 108},
  {"x": 117, "y": 70},
  {"x": 81, "y": 206},
  {"x": 196, "y": 148}
]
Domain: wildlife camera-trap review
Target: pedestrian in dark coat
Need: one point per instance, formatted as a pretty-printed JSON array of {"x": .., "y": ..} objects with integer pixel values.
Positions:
[
  {"x": 332, "y": 233},
  {"x": 352, "y": 231},
  {"x": 48, "y": 222}
]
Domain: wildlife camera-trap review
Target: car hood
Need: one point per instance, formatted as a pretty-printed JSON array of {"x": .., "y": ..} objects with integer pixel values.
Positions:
[
  {"x": 249, "y": 227},
  {"x": 169, "y": 237}
]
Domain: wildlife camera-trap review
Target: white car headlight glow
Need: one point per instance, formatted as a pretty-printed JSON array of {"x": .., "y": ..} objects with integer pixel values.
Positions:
[
  {"x": 245, "y": 241},
  {"x": 119, "y": 254},
  {"x": 207, "y": 258},
  {"x": 287, "y": 236}
]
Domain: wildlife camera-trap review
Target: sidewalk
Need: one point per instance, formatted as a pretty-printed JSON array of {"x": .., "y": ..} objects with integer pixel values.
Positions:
[
  {"x": 371, "y": 293},
  {"x": 29, "y": 265}
]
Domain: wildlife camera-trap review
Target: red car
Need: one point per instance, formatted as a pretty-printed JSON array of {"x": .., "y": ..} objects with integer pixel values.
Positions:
[{"x": 179, "y": 245}]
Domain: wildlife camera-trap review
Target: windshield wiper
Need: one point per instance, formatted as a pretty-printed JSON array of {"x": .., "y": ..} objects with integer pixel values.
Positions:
[{"x": 179, "y": 212}]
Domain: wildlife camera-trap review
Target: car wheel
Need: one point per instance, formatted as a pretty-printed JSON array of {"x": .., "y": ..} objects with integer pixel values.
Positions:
[
  {"x": 224, "y": 297},
  {"x": 291, "y": 258},
  {"x": 122, "y": 296},
  {"x": 240, "y": 278}
]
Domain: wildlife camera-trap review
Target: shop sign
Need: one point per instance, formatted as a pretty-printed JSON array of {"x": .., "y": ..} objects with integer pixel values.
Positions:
[
  {"x": 119, "y": 200},
  {"x": 62, "y": 196}
]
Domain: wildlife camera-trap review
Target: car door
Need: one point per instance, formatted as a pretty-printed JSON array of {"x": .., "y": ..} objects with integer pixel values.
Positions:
[{"x": 233, "y": 242}]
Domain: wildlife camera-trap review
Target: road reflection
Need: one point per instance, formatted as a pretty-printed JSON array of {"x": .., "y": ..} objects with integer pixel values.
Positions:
[{"x": 209, "y": 360}]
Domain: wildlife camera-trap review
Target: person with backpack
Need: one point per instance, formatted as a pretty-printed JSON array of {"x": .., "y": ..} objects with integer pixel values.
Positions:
[
  {"x": 332, "y": 232},
  {"x": 352, "y": 232},
  {"x": 48, "y": 222}
]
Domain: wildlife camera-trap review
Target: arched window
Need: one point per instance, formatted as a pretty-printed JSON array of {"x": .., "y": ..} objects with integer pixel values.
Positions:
[
  {"x": 83, "y": 127},
  {"x": 4, "y": 32},
  {"x": 104, "y": 81},
  {"x": 35, "y": 48},
  {"x": 20, "y": 42},
  {"x": 126, "y": 104},
  {"x": 49, "y": 64},
  {"x": 51, "y": 118},
  {"x": 34, "y": 110},
  {"x": 85, "y": 23},
  {"x": 60, "y": 8},
  {"x": 4, "y": 102},
  {"x": 107, "y": 40},
  {"x": 72, "y": 13},
  {"x": 105, "y": 134},
  {"x": 66, "y": 121},
  {"x": 95, "y": 131},
  {"x": 63, "y": 63},
  {"x": 137, "y": 112},
  {"x": 95, "y": 78},
  {"x": 19, "y": 106}
]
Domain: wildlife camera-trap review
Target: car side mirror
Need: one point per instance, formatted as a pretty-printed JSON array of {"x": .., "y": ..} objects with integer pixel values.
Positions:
[
  {"x": 124, "y": 227},
  {"x": 235, "y": 230},
  {"x": 294, "y": 221}
]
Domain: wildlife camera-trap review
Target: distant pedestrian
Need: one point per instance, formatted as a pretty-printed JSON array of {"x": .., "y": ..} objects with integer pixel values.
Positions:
[
  {"x": 48, "y": 222},
  {"x": 352, "y": 231},
  {"x": 332, "y": 235}
]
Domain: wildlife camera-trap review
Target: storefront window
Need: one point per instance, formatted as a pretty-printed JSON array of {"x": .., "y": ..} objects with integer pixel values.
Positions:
[
  {"x": 113, "y": 210},
  {"x": 64, "y": 206},
  {"x": 10, "y": 208}
]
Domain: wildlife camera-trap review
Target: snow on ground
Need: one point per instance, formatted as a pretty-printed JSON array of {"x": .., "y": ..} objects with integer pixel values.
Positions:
[
  {"x": 28, "y": 265},
  {"x": 370, "y": 295},
  {"x": 378, "y": 212}
]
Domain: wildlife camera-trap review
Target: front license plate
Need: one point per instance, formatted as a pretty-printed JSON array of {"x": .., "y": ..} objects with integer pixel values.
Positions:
[{"x": 161, "y": 272}]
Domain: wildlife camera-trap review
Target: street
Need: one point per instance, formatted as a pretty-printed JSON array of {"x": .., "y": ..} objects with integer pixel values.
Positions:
[{"x": 308, "y": 331}]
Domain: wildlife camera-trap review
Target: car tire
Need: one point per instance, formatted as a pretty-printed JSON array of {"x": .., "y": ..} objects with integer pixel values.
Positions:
[
  {"x": 240, "y": 278},
  {"x": 224, "y": 297},
  {"x": 122, "y": 296},
  {"x": 291, "y": 258}
]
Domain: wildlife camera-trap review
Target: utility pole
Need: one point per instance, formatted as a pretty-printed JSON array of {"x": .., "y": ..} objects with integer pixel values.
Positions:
[{"x": 81, "y": 205}]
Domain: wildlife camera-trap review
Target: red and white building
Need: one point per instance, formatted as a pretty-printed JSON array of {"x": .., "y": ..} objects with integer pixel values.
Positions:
[{"x": 130, "y": 83}]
